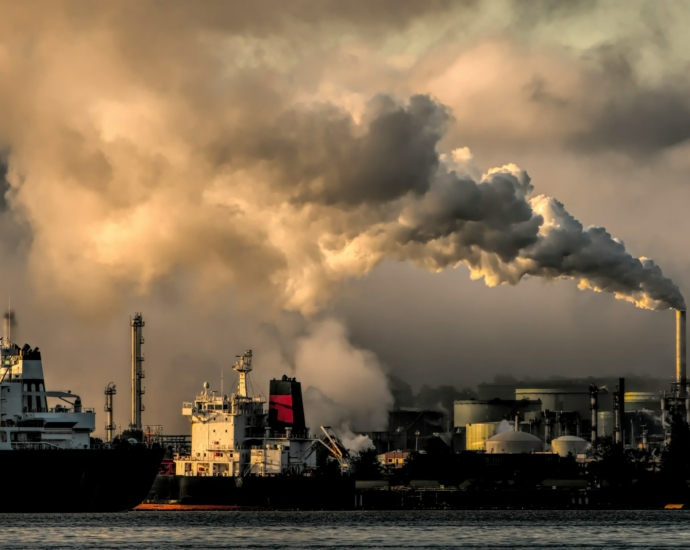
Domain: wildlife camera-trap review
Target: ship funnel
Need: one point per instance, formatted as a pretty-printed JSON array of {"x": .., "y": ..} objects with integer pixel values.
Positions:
[
  {"x": 681, "y": 367},
  {"x": 285, "y": 406}
]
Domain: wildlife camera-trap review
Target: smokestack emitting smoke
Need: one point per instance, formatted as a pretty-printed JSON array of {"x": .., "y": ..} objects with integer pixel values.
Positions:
[{"x": 681, "y": 351}]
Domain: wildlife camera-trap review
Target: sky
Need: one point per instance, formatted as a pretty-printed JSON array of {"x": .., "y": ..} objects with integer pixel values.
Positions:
[{"x": 440, "y": 191}]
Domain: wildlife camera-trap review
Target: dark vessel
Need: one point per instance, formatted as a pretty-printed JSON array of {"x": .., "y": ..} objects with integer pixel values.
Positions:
[
  {"x": 242, "y": 455},
  {"x": 46, "y": 446}
]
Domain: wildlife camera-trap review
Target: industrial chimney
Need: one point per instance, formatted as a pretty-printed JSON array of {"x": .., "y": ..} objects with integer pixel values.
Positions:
[
  {"x": 137, "y": 324},
  {"x": 681, "y": 367},
  {"x": 594, "y": 408},
  {"x": 110, "y": 423},
  {"x": 619, "y": 412}
]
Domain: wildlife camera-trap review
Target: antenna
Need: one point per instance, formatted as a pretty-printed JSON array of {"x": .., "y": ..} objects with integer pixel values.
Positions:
[{"x": 221, "y": 382}]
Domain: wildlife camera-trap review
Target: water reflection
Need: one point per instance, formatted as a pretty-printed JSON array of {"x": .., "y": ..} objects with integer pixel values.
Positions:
[{"x": 429, "y": 529}]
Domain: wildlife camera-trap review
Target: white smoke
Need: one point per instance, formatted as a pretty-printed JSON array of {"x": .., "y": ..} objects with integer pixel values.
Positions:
[
  {"x": 354, "y": 443},
  {"x": 505, "y": 426},
  {"x": 344, "y": 386}
]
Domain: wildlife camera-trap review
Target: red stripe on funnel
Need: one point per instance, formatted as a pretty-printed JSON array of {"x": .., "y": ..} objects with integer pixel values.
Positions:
[{"x": 282, "y": 404}]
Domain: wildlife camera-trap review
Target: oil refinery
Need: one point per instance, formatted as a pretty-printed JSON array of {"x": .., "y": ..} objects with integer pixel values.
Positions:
[{"x": 538, "y": 444}]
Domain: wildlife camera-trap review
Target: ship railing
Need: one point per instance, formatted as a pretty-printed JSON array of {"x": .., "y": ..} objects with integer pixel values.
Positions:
[{"x": 42, "y": 446}]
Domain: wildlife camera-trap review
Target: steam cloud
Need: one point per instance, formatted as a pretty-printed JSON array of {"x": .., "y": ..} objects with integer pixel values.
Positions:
[{"x": 345, "y": 386}]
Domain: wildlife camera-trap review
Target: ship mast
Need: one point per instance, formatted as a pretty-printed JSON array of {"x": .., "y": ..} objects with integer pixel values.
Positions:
[{"x": 243, "y": 367}]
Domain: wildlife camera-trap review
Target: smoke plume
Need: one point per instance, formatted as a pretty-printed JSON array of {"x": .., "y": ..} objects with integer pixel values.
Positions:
[{"x": 346, "y": 387}]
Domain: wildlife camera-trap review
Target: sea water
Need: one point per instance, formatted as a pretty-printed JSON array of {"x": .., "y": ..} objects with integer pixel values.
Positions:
[{"x": 375, "y": 529}]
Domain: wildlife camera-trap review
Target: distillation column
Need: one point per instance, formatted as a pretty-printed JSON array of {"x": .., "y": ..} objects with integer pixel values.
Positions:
[
  {"x": 109, "y": 423},
  {"x": 137, "y": 324}
]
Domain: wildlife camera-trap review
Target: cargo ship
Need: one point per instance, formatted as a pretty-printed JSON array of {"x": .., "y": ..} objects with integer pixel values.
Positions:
[
  {"x": 242, "y": 455},
  {"x": 46, "y": 446}
]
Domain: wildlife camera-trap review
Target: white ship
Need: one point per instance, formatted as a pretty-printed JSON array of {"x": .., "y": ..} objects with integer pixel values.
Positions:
[
  {"x": 27, "y": 419},
  {"x": 45, "y": 443},
  {"x": 234, "y": 436}
]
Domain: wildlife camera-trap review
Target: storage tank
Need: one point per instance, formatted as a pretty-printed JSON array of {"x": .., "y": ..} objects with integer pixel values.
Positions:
[
  {"x": 559, "y": 399},
  {"x": 474, "y": 411},
  {"x": 476, "y": 435},
  {"x": 514, "y": 443},
  {"x": 569, "y": 444}
]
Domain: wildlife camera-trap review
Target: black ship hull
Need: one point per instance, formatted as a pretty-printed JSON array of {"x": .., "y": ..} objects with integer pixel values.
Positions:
[
  {"x": 279, "y": 492},
  {"x": 79, "y": 480}
]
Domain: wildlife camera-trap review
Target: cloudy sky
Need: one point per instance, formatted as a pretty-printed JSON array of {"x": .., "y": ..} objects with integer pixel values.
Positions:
[{"x": 349, "y": 188}]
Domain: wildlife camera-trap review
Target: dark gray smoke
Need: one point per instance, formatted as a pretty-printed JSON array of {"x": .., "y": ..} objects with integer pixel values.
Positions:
[
  {"x": 10, "y": 316},
  {"x": 494, "y": 225}
]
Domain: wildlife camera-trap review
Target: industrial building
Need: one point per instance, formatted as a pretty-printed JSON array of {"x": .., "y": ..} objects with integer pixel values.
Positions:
[
  {"x": 559, "y": 417},
  {"x": 568, "y": 415},
  {"x": 393, "y": 459},
  {"x": 410, "y": 429}
]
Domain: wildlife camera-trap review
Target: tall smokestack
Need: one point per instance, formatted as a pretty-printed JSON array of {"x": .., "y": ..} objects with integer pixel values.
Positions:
[
  {"x": 594, "y": 408},
  {"x": 619, "y": 412},
  {"x": 137, "y": 325},
  {"x": 681, "y": 367}
]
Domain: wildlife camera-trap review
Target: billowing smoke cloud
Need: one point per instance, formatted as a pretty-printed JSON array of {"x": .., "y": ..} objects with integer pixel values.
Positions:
[
  {"x": 242, "y": 180},
  {"x": 345, "y": 387},
  {"x": 331, "y": 199}
]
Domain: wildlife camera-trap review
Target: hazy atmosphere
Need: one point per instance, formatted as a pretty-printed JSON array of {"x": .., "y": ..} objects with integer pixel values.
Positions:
[{"x": 440, "y": 191}]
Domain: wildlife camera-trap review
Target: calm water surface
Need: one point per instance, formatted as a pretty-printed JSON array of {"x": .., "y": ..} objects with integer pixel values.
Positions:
[{"x": 429, "y": 529}]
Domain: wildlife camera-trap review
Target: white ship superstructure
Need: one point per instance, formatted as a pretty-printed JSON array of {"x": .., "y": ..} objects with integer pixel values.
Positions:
[
  {"x": 232, "y": 436},
  {"x": 31, "y": 416}
]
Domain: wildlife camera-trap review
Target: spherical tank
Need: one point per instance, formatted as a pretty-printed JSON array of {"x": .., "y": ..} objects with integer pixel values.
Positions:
[
  {"x": 514, "y": 443},
  {"x": 569, "y": 444}
]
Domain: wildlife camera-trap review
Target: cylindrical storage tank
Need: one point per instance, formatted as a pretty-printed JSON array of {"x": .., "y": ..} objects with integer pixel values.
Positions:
[
  {"x": 514, "y": 443},
  {"x": 472, "y": 411},
  {"x": 558, "y": 399},
  {"x": 605, "y": 424},
  {"x": 569, "y": 444},
  {"x": 642, "y": 401},
  {"x": 476, "y": 435}
]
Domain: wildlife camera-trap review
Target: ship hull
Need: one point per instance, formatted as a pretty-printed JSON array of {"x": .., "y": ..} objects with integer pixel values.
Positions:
[
  {"x": 278, "y": 492},
  {"x": 79, "y": 480}
]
